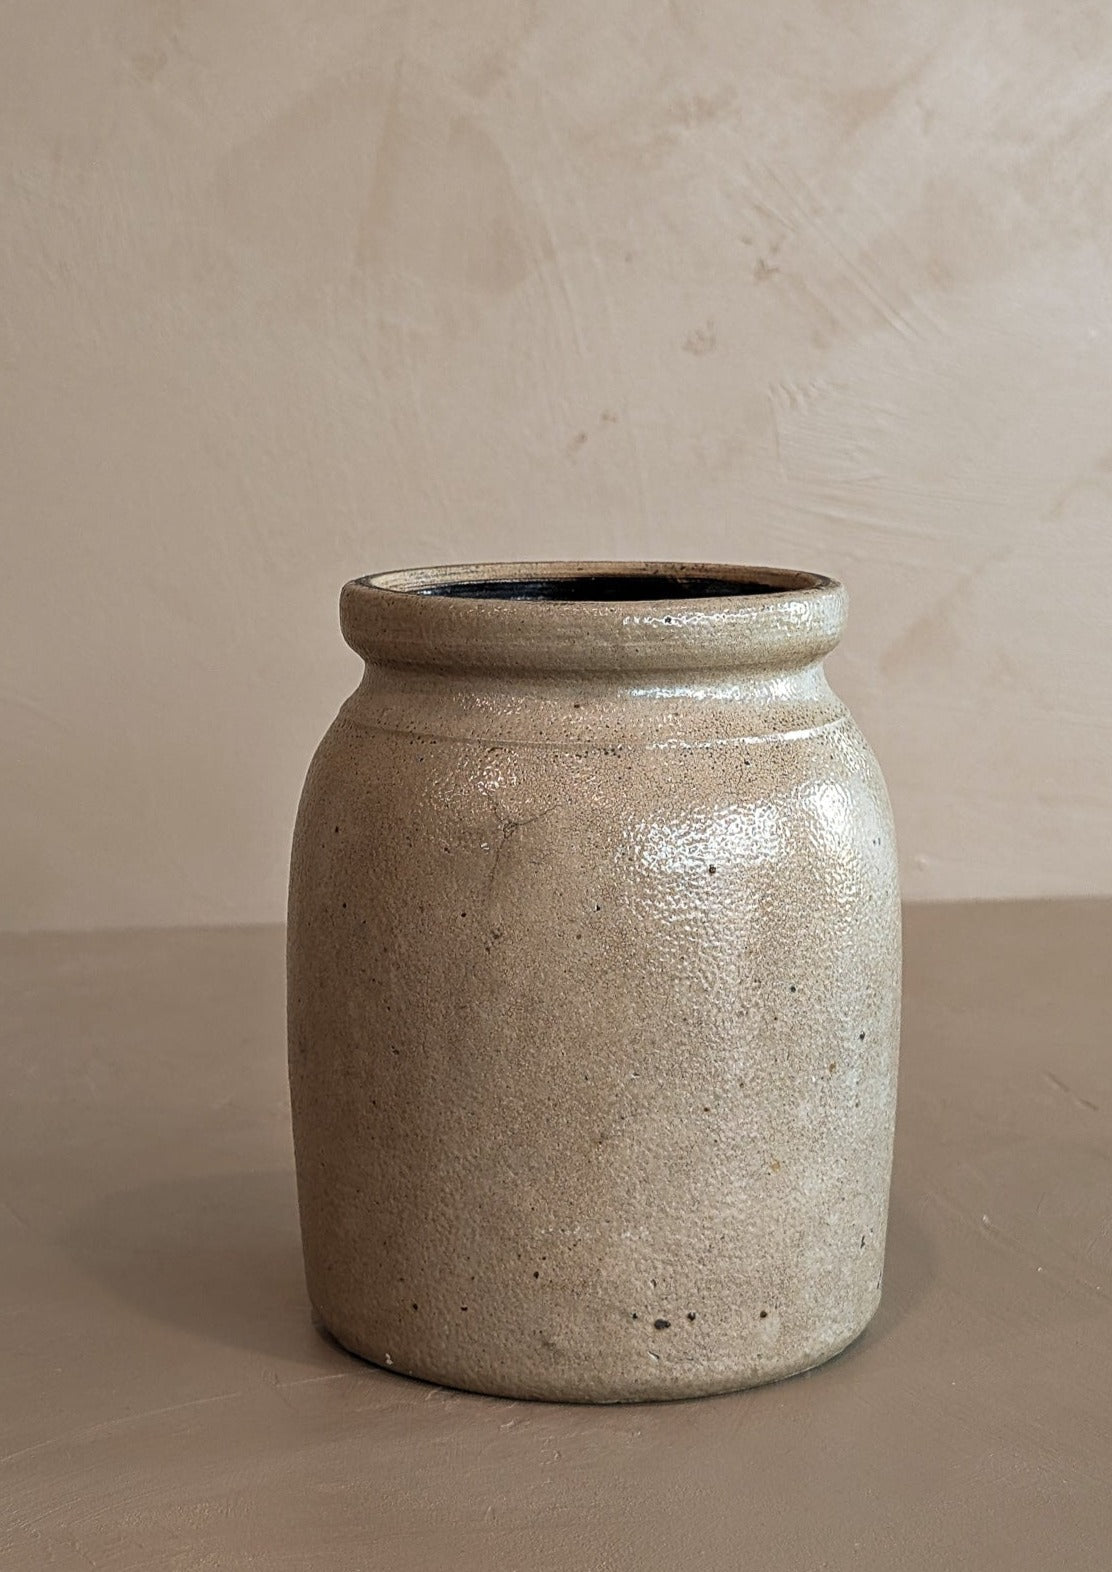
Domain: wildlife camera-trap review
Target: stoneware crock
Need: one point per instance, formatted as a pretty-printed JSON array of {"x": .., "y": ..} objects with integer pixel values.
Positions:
[{"x": 594, "y": 983}]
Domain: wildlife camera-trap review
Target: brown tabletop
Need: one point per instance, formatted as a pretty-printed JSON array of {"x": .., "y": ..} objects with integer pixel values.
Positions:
[{"x": 165, "y": 1402}]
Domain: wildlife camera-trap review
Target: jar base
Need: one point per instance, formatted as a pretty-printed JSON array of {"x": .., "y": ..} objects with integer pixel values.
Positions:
[{"x": 673, "y": 1386}]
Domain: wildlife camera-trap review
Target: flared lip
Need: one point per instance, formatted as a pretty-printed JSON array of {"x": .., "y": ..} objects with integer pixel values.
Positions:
[{"x": 593, "y": 617}]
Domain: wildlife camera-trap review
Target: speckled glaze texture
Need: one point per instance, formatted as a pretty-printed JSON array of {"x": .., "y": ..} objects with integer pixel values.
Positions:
[{"x": 594, "y": 985}]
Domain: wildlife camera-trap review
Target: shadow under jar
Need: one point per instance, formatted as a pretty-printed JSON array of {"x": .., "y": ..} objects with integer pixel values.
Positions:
[{"x": 594, "y": 957}]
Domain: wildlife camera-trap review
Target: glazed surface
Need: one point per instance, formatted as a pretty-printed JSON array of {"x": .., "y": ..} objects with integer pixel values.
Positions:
[{"x": 593, "y": 1003}]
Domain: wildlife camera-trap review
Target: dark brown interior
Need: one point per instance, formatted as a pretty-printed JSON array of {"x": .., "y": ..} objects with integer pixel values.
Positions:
[{"x": 602, "y": 586}]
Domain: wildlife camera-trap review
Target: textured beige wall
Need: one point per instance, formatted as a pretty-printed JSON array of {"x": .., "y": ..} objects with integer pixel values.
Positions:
[{"x": 293, "y": 291}]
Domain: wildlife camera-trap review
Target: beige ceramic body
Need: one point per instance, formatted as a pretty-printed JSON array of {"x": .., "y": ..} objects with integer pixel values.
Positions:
[{"x": 594, "y": 991}]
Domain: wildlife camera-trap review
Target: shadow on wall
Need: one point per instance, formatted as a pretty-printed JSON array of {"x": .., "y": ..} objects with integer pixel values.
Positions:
[{"x": 218, "y": 1255}]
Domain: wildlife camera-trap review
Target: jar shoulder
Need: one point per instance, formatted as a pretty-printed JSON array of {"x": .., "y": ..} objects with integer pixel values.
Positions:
[
  {"x": 708, "y": 768},
  {"x": 566, "y": 714}
]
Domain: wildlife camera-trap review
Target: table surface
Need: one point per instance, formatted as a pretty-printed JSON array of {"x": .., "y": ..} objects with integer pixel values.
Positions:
[{"x": 166, "y": 1403}]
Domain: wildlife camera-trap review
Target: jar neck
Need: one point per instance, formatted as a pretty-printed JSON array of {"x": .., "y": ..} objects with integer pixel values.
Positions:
[
  {"x": 653, "y": 625},
  {"x": 607, "y": 710}
]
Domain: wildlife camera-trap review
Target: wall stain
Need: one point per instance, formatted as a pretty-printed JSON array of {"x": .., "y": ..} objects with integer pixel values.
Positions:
[
  {"x": 701, "y": 109},
  {"x": 442, "y": 204},
  {"x": 934, "y": 635},
  {"x": 702, "y": 340},
  {"x": 861, "y": 106},
  {"x": 491, "y": 67}
]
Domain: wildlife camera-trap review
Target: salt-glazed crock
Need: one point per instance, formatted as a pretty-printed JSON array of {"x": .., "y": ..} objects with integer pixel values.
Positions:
[{"x": 594, "y": 983}]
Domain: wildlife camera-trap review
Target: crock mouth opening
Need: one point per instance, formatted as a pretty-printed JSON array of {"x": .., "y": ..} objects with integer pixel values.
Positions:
[
  {"x": 593, "y": 618},
  {"x": 619, "y": 583}
]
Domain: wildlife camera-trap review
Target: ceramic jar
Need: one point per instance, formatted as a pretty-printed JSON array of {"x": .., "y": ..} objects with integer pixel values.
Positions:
[{"x": 594, "y": 983}]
